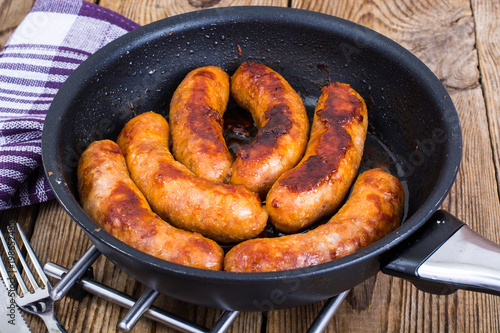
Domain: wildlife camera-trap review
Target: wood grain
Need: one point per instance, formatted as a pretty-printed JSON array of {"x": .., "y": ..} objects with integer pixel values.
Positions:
[
  {"x": 488, "y": 48},
  {"x": 12, "y": 13},
  {"x": 147, "y": 11},
  {"x": 459, "y": 41}
]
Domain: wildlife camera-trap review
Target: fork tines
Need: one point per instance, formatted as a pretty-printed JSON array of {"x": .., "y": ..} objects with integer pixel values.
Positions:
[{"x": 12, "y": 249}]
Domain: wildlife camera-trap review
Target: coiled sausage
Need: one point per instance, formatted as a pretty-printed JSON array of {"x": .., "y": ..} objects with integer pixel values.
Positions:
[
  {"x": 222, "y": 212},
  {"x": 280, "y": 115},
  {"x": 320, "y": 182},
  {"x": 195, "y": 119},
  {"x": 111, "y": 199},
  {"x": 373, "y": 210}
]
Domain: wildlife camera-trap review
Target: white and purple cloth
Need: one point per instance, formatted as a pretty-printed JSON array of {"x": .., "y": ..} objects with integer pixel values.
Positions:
[{"x": 54, "y": 38}]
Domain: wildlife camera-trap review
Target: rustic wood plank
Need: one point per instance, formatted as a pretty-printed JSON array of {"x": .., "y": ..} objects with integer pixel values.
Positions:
[
  {"x": 476, "y": 203},
  {"x": 12, "y": 13},
  {"x": 486, "y": 14},
  {"x": 25, "y": 216},
  {"x": 146, "y": 11}
]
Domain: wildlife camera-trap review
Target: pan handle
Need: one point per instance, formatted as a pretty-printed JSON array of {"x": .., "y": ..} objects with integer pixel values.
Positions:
[{"x": 446, "y": 255}]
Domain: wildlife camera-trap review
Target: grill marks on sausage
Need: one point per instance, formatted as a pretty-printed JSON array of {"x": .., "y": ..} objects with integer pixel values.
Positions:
[
  {"x": 125, "y": 210},
  {"x": 319, "y": 168},
  {"x": 196, "y": 110},
  {"x": 277, "y": 118},
  {"x": 278, "y": 123},
  {"x": 283, "y": 127},
  {"x": 346, "y": 105},
  {"x": 168, "y": 171},
  {"x": 336, "y": 115},
  {"x": 266, "y": 140},
  {"x": 202, "y": 119}
]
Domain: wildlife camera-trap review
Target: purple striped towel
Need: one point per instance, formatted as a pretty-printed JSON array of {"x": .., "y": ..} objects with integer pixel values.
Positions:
[{"x": 54, "y": 38}]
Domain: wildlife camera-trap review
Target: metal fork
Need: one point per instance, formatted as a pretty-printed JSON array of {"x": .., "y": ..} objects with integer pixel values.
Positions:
[{"x": 37, "y": 302}]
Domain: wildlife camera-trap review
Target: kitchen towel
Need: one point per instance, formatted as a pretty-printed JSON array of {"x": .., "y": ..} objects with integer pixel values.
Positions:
[{"x": 54, "y": 38}]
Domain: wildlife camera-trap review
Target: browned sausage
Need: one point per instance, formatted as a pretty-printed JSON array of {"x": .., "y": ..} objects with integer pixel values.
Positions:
[
  {"x": 222, "y": 212},
  {"x": 280, "y": 115},
  {"x": 319, "y": 183},
  {"x": 111, "y": 199},
  {"x": 373, "y": 210},
  {"x": 195, "y": 119}
]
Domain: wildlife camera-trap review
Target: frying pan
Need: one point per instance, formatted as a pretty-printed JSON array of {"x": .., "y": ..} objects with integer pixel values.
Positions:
[{"x": 414, "y": 133}]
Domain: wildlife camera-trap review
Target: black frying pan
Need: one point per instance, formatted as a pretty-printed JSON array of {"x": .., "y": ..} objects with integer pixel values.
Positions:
[{"x": 414, "y": 132}]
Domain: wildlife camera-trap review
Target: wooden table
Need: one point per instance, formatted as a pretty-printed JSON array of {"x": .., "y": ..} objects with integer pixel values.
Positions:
[{"x": 460, "y": 41}]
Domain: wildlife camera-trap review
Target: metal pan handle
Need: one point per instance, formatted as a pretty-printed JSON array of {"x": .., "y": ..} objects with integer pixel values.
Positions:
[{"x": 446, "y": 255}]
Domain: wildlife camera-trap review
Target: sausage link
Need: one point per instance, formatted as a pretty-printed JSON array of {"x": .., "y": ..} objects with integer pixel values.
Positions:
[
  {"x": 196, "y": 111},
  {"x": 317, "y": 186},
  {"x": 373, "y": 210},
  {"x": 222, "y": 212},
  {"x": 111, "y": 199},
  {"x": 280, "y": 115}
]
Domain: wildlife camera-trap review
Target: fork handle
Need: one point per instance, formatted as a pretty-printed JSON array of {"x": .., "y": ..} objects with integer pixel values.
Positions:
[{"x": 53, "y": 325}]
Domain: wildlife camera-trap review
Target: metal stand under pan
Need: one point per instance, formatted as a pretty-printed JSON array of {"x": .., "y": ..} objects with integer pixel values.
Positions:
[{"x": 143, "y": 305}]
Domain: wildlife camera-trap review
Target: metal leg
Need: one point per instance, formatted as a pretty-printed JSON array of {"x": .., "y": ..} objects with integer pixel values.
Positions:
[
  {"x": 69, "y": 279},
  {"x": 137, "y": 310},
  {"x": 225, "y": 321},
  {"x": 326, "y": 313}
]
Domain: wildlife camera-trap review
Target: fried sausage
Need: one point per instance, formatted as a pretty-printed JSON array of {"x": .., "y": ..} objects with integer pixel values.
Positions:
[
  {"x": 195, "y": 119},
  {"x": 280, "y": 116},
  {"x": 317, "y": 186},
  {"x": 222, "y": 212},
  {"x": 373, "y": 210},
  {"x": 111, "y": 199}
]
